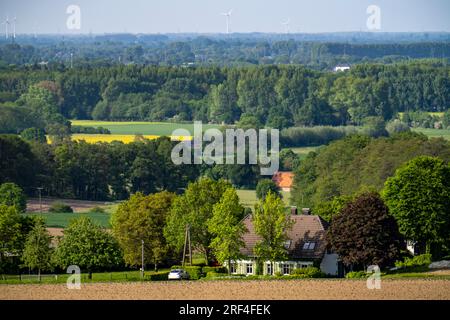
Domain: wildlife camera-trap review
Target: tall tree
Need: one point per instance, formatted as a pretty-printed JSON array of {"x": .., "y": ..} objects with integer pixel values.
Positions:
[
  {"x": 418, "y": 196},
  {"x": 10, "y": 233},
  {"x": 142, "y": 218},
  {"x": 364, "y": 233},
  {"x": 271, "y": 223},
  {"x": 12, "y": 195},
  {"x": 265, "y": 186},
  {"x": 37, "y": 252},
  {"x": 227, "y": 227},
  {"x": 88, "y": 246},
  {"x": 194, "y": 208}
]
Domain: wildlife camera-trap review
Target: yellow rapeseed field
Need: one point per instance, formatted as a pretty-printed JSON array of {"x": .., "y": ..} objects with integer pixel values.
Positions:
[{"x": 125, "y": 138}]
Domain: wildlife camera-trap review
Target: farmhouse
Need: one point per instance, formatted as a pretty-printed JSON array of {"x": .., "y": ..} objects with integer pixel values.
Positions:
[
  {"x": 283, "y": 180},
  {"x": 306, "y": 246}
]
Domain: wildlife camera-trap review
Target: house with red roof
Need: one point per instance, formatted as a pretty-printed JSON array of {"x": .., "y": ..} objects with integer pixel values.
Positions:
[{"x": 283, "y": 180}]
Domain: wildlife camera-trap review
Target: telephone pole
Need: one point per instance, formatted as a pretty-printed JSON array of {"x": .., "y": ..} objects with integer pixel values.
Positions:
[
  {"x": 40, "y": 199},
  {"x": 142, "y": 259},
  {"x": 187, "y": 245}
]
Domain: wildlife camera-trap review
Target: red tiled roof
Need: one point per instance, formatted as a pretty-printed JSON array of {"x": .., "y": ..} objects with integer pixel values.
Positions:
[
  {"x": 283, "y": 179},
  {"x": 306, "y": 228}
]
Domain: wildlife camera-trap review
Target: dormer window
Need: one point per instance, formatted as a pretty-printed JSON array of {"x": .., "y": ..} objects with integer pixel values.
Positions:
[{"x": 309, "y": 245}]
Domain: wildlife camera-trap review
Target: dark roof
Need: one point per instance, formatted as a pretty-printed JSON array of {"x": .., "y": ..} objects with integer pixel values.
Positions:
[{"x": 306, "y": 228}]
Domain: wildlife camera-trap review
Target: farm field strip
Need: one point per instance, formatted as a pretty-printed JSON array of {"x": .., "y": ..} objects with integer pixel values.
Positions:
[
  {"x": 125, "y": 138},
  {"x": 434, "y": 133},
  {"x": 236, "y": 290},
  {"x": 144, "y": 128}
]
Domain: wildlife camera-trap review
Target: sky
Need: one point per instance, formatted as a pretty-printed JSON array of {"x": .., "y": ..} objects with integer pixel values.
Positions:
[{"x": 203, "y": 16}]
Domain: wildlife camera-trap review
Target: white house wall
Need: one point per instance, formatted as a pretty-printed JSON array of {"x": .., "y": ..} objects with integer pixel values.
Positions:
[{"x": 329, "y": 264}]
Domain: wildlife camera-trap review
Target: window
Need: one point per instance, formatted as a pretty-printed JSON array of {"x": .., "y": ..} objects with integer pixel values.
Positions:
[
  {"x": 249, "y": 268},
  {"x": 287, "y": 244},
  {"x": 233, "y": 267},
  {"x": 286, "y": 268},
  {"x": 304, "y": 266},
  {"x": 309, "y": 245},
  {"x": 269, "y": 269}
]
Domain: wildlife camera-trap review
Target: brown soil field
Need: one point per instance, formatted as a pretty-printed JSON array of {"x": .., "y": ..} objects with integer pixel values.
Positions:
[
  {"x": 77, "y": 205},
  {"x": 237, "y": 290}
]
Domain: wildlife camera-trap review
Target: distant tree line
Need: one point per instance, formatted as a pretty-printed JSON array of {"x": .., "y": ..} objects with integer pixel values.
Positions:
[
  {"x": 106, "y": 171},
  {"x": 272, "y": 96},
  {"x": 244, "y": 51}
]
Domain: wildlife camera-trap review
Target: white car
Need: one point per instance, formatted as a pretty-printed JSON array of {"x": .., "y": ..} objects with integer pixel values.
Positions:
[{"x": 178, "y": 274}]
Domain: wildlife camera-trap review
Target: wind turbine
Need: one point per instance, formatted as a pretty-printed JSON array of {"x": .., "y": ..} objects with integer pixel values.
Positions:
[
  {"x": 227, "y": 15},
  {"x": 286, "y": 25},
  {"x": 6, "y": 23},
  {"x": 14, "y": 27}
]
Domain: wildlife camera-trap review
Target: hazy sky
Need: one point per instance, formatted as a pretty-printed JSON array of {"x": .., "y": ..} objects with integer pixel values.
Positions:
[{"x": 169, "y": 16}]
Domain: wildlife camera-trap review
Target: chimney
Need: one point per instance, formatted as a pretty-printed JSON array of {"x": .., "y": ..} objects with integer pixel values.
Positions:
[
  {"x": 294, "y": 211},
  {"x": 306, "y": 211}
]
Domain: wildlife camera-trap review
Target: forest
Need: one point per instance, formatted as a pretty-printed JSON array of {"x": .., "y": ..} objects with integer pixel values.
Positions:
[{"x": 276, "y": 96}]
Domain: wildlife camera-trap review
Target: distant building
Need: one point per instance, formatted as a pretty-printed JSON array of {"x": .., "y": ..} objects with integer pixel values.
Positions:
[
  {"x": 284, "y": 180},
  {"x": 341, "y": 68}
]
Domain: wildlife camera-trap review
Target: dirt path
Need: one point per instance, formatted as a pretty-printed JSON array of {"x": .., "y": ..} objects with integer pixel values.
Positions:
[
  {"x": 237, "y": 290},
  {"x": 33, "y": 204}
]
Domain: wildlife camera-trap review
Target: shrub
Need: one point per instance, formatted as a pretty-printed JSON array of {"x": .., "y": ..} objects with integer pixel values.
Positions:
[
  {"x": 12, "y": 195},
  {"x": 357, "y": 275},
  {"x": 309, "y": 272},
  {"x": 207, "y": 269},
  {"x": 195, "y": 272},
  {"x": 158, "y": 276},
  {"x": 57, "y": 207},
  {"x": 416, "y": 263},
  {"x": 97, "y": 210},
  {"x": 213, "y": 274}
]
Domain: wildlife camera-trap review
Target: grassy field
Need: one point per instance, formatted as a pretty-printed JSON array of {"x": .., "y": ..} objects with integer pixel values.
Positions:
[
  {"x": 61, "y": 220},
  {"x": 302, "y": 152},
  {"x": 248, "y": 197},
  {"x": 436, "y": 114},
  {"x": 144, "y": 128},
  {"x": 434, "y": 133},
  {"x": 129, "y": 275}
]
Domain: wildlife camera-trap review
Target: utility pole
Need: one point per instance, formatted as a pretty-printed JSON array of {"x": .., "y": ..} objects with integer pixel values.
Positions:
[
  {"x": 187, "y": 245},
  {"x": 142, "y": 259},
  {"x": 40, "y": 199},
  {"x": 71, "y": 60}
]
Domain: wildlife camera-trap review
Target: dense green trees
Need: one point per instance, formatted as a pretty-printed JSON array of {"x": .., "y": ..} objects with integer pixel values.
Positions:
[
  {"x": 14, "y": 228},
  {"x": 271, "y": 223},
  {"x": 88, "y": 246},
  {"x": 98, "y": 171},
  {"x": 265, "y": 186},
  {"x": 418, "y": 196},
  {"x": 227, "y": 228},
  {"x": 16, "y": 162},
  {"x": 364, "y": 233},
  {"x": 37, "y": 253},
  {"x": 194, "y": 208},
  {"x": 142, "y": 218},
  {"x": 346, "y": 166},
  {"x": 12, "y": 195},
  {"x": 274, "y": 96}
]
